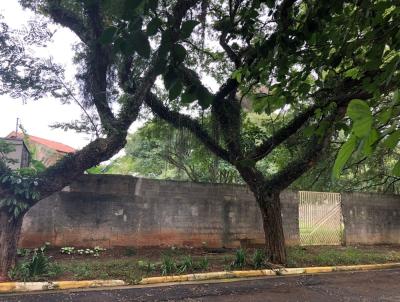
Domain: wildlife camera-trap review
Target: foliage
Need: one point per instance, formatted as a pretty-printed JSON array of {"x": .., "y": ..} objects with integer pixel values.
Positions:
[
  {"x": 146, "y": 266},
  {"x": 240, "y": 259},
  {"x": 23, "y": 183},
  {"x": 6, "y": 148},
  {"x": 258, "y": 259},
  {"x": 204, "y": 264},
  {"x": 157, "y": 150},
  {"x": 168, "y": 265},
  {"x": 375, "y": 125},
  {"x": 35, "y": 265},
  {"x": 186, "y": 265}
]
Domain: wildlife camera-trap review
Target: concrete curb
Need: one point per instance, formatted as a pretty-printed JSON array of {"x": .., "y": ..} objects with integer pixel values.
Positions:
[
  {"x": 15, "y": 287},
  {"x": 266, "y": 272}
]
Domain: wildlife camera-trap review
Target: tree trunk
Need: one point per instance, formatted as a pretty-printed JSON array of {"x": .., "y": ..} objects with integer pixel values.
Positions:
[
  {"x": 270, "y": 207},
  {"x": 10, "y": 230}
]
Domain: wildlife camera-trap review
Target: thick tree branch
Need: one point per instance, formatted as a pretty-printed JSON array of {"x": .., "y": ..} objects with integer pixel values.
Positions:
[
  {"x": 99, "y": 65},
  {"x": 68, "y": 19},
  {"x": 179, "y": 120},
  {"x": 267, "y": 146}
]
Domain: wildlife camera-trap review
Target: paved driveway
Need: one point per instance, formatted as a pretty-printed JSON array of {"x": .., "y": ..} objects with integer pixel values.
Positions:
[{"x": 358, "y": 286}]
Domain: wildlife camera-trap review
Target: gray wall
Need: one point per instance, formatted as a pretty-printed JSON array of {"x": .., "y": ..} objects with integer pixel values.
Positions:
[
  {"x": 371, "y": 218},
  {"x": 111, "y": 210}
]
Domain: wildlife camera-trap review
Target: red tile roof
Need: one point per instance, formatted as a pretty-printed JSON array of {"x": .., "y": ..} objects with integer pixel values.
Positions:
[{"x": 48, "y": 143}]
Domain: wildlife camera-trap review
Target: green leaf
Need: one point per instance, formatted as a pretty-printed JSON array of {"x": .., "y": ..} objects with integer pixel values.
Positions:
[
  {"x": 361, "y": 115},
  {"x": 385, "y": 115},
  {"x": 141, "y": 44},
  {"x": 396, "y": 169},
  {"x": 189, "y": 96},
  {"x": 352, "y": 73},
  {"x": 343, "y": 156},
  {"x": 108, "y": 35},
  {"x": 178, "y": 53},
  {"x": 392, "y": 140},
  {"x": 204, "y": 97},
  {"x": 187, "y": 28},
  {"x": 153, "y": 26},
  {"x": 370, "y": 142},
  {"x": 170, "y": 77},
  {"x": 175, "y": 90}
]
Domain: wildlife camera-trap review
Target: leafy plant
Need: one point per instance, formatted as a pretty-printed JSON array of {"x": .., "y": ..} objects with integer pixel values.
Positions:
[
  {"x": 35, "y": 265},
  {"x": 258, "y": 258},
  {"x": 186, "y": 265},
  {"x": 69, "y": 250},
  {"x": 168, "y": 266},
  {"x": 240, "y": 259},
  {"x": 204, "y": 264},
  {"x": 146, "y": 266}
]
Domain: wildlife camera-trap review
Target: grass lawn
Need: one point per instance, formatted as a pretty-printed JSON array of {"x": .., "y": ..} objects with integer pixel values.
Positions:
[{"x": 131, "y": 265}]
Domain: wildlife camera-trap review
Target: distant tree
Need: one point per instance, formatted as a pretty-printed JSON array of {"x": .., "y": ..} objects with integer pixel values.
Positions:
[{"x": 158, "y": 150}]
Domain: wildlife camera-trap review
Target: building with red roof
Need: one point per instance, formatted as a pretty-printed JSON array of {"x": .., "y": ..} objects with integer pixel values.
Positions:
[{"x": 44, "y": 150}]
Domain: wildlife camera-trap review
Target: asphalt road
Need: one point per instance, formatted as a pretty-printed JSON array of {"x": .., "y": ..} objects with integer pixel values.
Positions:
[{"x": 358, "y": 286}]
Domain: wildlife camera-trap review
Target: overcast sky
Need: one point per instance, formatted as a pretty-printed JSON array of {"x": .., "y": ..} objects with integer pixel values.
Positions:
[{"x": 37, "y": 116}]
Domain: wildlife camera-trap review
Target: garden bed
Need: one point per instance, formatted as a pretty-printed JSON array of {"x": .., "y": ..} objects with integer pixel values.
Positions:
[{"x": 131, "y": 265}]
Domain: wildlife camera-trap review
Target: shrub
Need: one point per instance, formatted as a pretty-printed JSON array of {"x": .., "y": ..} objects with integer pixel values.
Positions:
[
  {"x": 35, "y": 265},
  {"x": 204, "y": 264},
  {"x": 240, "y": 259},
  {"x": 258, "y": 259},
  {"x": 168, "y": 266},
  {"x": 186, "y": 264}
]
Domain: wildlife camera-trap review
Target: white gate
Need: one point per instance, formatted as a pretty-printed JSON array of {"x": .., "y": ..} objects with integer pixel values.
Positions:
[{"x": 320, "y": 218}]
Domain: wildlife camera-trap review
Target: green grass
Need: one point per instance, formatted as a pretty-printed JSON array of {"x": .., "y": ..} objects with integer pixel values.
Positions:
[
  {"x": 125, "y": 269},
  {"x": 325, "y": 256}
]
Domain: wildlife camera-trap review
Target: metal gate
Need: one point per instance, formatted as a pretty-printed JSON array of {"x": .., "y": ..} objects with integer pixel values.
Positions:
[{"x": 320, "y": 218}]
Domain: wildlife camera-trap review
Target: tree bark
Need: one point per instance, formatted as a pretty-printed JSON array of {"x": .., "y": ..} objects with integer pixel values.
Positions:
[
  {"x": 270, "y": 207},
  {"x": 268, "y": 201},
  {"x": 10, "y": 230}
]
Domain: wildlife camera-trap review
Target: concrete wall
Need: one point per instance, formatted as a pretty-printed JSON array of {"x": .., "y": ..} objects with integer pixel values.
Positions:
[
  {"x": 371, "y": 218},
  {"x": 112, "y": 210}
]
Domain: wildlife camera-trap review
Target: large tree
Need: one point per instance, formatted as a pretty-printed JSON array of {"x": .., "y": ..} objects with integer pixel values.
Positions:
[
  {"x": 304, "y": 60},
  {"x": 106, "y": 77}
]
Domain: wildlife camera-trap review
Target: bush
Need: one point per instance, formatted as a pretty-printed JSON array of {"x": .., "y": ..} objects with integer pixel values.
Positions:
[
  {"x": 186, "y": 265},
  {"x": 204, "y": 264},
  {"x": 168, "y": 266},
  {"x": 35, "y": 265},
  {"x": 258, "y": 259},
  {"x": 240, "y": 259}
]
